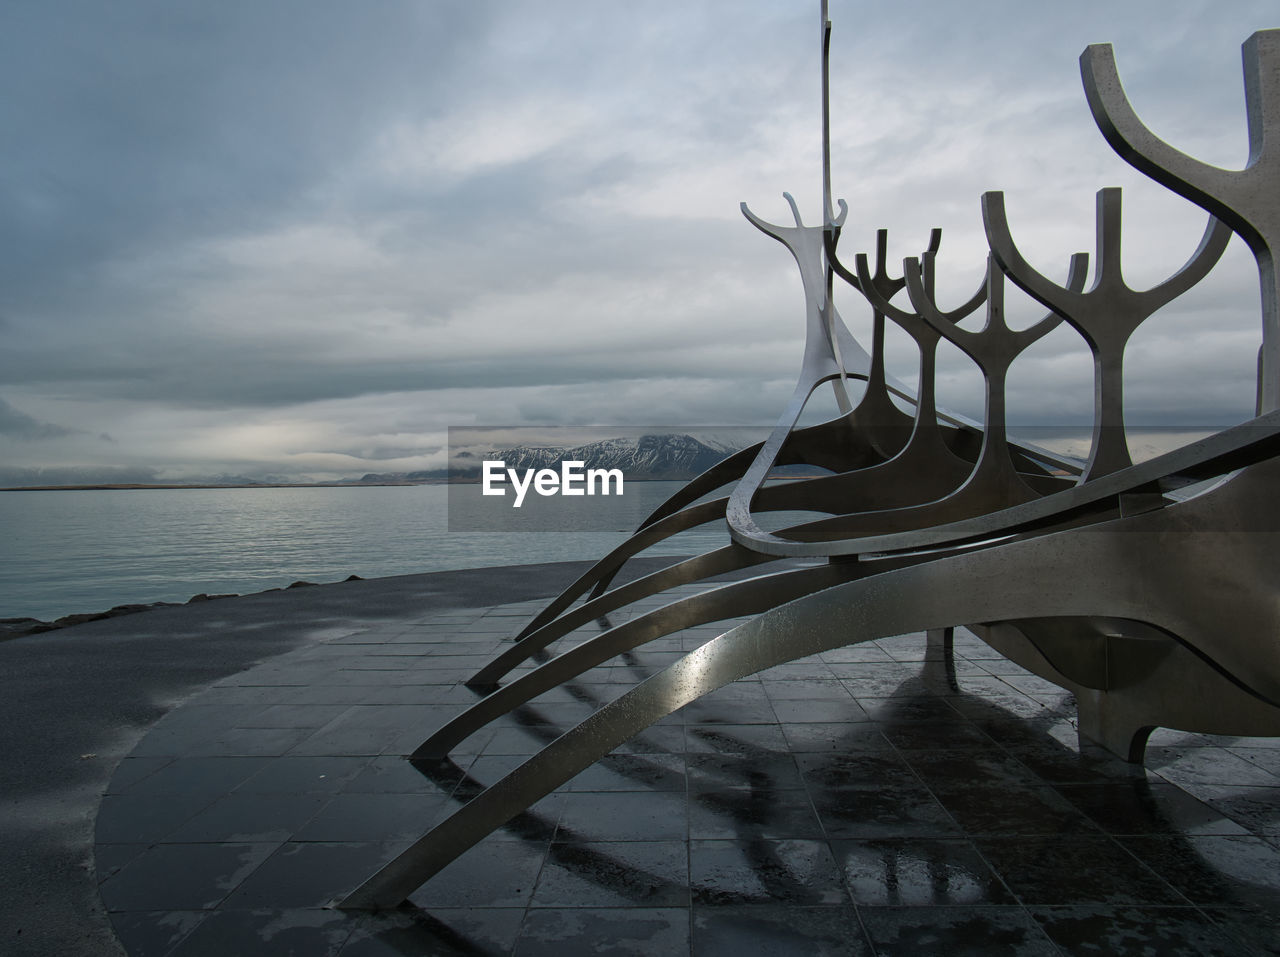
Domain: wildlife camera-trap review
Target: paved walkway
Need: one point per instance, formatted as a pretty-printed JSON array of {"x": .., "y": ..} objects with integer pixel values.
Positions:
[
  {"x": 74, "y": 702},
  {"x": 869, "y": 800}
]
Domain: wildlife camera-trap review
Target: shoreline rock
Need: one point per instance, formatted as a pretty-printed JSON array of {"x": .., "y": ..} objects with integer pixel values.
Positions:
[{"x": 21, "y": 627}]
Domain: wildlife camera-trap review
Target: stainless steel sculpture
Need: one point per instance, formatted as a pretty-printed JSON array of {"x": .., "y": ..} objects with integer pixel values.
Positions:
[{"x": 1153, "y": 608}]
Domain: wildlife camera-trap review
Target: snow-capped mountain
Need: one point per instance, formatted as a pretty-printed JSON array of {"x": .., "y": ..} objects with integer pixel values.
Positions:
[
  {"x": 659, "y": 457},
  {"x": 675, "y": 456}
]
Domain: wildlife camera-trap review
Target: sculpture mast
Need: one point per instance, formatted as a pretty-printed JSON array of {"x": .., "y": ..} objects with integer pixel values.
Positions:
[{"x": 830, "y": 223}]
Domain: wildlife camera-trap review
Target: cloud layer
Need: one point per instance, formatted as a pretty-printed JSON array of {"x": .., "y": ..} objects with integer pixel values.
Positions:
[{"x": 305, "y": 238}]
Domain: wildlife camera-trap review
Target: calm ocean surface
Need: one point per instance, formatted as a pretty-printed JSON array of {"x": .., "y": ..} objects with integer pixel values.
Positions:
[{"x": 63, "y": 552}]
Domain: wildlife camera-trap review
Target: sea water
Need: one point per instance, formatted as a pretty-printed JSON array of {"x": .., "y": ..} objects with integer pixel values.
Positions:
[{"x": 69, "y": 551}]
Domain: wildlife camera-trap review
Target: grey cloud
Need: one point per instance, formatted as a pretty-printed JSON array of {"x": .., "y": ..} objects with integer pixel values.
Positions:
[
  {"x": 152, "y": 137},
  {"x": 83, "y": 475},
  {"x": 227, "y": 380},
  {"x": 18, "y": 424},
  {"x": 143, "y": 122},
  {"x": 382, "y": 453}
]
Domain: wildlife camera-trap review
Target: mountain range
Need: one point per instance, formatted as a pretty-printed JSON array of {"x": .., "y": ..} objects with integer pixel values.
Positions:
[{"x": 666, "y": 457}]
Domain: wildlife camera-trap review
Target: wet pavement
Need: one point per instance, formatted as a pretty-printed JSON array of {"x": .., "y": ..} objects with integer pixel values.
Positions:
[
  {"x": 75, "y": 701},
  {"x": 882, "y": 798}
]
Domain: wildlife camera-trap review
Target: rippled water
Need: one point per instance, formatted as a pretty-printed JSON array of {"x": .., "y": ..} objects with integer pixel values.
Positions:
[{"x": 79, "y": 551}]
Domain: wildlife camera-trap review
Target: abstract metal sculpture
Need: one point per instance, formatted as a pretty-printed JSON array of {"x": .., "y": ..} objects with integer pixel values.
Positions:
[{"x": 1153, "y": 608}]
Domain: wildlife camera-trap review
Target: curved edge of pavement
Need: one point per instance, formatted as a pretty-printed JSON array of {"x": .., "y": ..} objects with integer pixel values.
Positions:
[{"x": 75, "y": 701}]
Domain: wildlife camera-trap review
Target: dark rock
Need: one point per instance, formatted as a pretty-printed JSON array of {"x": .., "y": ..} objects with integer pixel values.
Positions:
[
  {"x": 135, "y": 608},
  {"x": 67, "y": 620},
  {"x": 17, "y": 627}
]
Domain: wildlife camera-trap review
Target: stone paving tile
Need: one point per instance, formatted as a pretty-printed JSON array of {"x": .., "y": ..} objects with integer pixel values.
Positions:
[
  {"x": 1072, "y": 765},
  {"x": 267, "y": 742},
  {"x": 753, "y": 814},
  {"x": 247, "y": 816},
  {"x": 111, "y": 858},
  {"x": 866, "y": 800},
  {"x": 1139, "y": 807},
  {"x": 1266, "y": 758},
  {"x": 1253, "y": 932},
  {"x": 614, "y": 874},
  {"x": 1230, "y": 871},
  {"x": 1075, "y": 869},
  {"x": 491, "y": 874},
  {"x": 393, "y": 774},
  {"x": 639, "y": 931},
  {"x": 763, "y": 871},
  {"x": 304, "y": 774},
  {"x": 306, "y": 876},
  {"x": 633, "y": 772},
  {"x": 374, "y": 817},
  {"x": 726, "y": 737},
  {"x": 268, "y": 933},
  {"x": 966, "y": 931},
  {"x": 1011, "y": 809},
  {"x": 624, "y": 816},
  {"x": 146, "y": 818},
  {"x": 918, "y": 872},
  {"x": 860, "y": 653},
  {"x": 1257, "y": 809},
  {"x": 755, "y": 771},
  {"x": 933, "y": 735},
  {"x": 1203, "y": 765},
  {"x": 211, "y": 776},
  {"x": 1173, "y": 931},
  {"x": 312, "y": 716},
  {"x": 441, "y": 932},
  {"x": 183, "y": 876},
  {"x": 819, "y": 737},
  {"x": 889, "y": 811},
  {"x": 155, "y": 933},
  {"x": 777, "y": 931},
  {"x": 830, "y": 771}
]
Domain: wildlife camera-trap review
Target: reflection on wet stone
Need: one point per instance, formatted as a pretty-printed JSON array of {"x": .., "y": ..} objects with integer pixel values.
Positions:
[
  {"x": 804, "y": 837},
  {"x": 918, "y": 873}
]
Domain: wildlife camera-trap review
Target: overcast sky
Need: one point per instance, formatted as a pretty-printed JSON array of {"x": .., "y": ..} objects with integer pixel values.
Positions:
[{"x": 304, "y": 238}]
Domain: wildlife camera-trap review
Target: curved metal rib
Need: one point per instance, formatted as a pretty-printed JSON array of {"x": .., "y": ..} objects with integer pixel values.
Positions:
[
  {"x": 1244, "y": 199},
  {"x": 728, "y": 601},
  {"x": 1233, "y": 448},
  {"x": 731, "y": 558},
  {"x": 909, "y": 477},
  {"x": 602, "y": 572},
  {"x": 868, "y": 486},
  {"x": 832, "y": 444}
]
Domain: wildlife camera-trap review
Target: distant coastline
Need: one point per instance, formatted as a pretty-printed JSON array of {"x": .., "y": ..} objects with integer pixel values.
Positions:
[
  {"x": 352, "y": 483},
  {"x": 130, "y": 486},
  {"x": 665, "y": 457}
]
